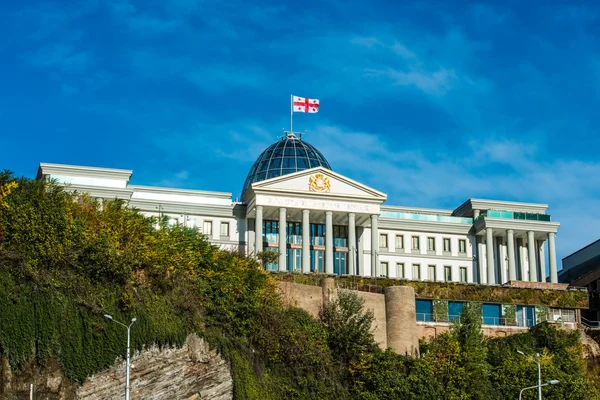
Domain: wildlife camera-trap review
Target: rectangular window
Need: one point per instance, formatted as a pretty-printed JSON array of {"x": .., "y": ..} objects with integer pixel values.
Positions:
[
  {"x": 431, "y": 272},
  {"x": 430, "y": 244},
  {"x": 383, "y": 268},
  {"x": 424, "y": 309},
  {"x": 455, "y": 309},
  {"x": 416, "y": 272},
  {"x": 400, "y": 270},
  {"x": 447, "y": 247},
  {"x": 415, "y": 243},
  {"x": 207, "y": 228},
  {"x": 225, "y": 229},
  {"x": 399, "y": 241},
  {"x": 492, "y": 314},
  {"x": 462, "y": 246},
  {"x": 383, "y": 240},
  {"x": 463, "y": 274},
  {"x": 448, "y": 273}
]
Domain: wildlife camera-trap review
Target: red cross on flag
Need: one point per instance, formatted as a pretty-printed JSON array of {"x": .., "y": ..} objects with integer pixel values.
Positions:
[{"x": 305, "y": 105}]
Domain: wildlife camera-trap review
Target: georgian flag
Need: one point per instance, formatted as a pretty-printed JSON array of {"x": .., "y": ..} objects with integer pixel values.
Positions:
[{"x": 305, "y": 105}]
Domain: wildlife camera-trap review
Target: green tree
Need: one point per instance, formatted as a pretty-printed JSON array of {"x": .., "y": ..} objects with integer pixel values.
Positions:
[{"x": 348, "y": 327}]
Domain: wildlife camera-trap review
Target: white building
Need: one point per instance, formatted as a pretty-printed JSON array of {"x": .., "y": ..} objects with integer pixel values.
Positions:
[{"x": 336, "y": 225}]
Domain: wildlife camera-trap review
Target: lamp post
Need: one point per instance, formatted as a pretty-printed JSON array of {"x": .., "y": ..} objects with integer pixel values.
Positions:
[
  {"x": 552, "y": 382},
  {"x": 539, "y": 385},
  {"x": 128, "y": 327}
]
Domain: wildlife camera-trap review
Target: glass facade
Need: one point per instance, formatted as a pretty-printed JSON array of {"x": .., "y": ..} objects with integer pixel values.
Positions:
[
  {"x": 492, "y": 314},
  {"x": 317, "y": 241},
  {"x": 284, "y": 157},
  {"x": 426, "y": 217},
  {"x": 424, "y": 310},
  {"x": 525, "y": 316},
  {"x": 455, "y": 309}
]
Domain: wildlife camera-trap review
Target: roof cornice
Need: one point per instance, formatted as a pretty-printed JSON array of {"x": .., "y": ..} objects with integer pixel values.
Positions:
[
  {"x": 515, "y": 225},
  {"x": 76, "y": 170},
  {"x": 481, "y": 204},
  {"x": 416, "y": 210},
  {"x": 183, "y": 192}
]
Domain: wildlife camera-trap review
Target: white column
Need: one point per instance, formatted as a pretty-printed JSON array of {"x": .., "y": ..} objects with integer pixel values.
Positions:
[
  {"x": 542, "y": 260},
  {"x": 282, "y": 240},
  {"x": 360, "y": 265},
  {"x": 374, "y": 245},
  {"x": 531, "y": 256},
  {"x": 305, "y": 241},
  {"x": 476, "y": 214},
  {"x": 489, "y": 248},
  {"x": 329, "y": 242},
  {"x": 480, "y": 258},
  {"x": 552, "y": 257},
  {"x": 510, "y": 243},
  {"x": 521, "y": 249},
  {"x": 351, "y": 244},
  {"x": 258, "y": 229}
]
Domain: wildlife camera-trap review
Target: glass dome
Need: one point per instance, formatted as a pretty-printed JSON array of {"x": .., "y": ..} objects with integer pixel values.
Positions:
[{"x": 283, "y": 157}]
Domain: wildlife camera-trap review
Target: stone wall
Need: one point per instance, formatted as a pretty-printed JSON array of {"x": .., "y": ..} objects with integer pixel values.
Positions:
[
  {"x": 538, "y": 285},
  {"x": 309, "y": 298},
  {"x": 190, "y": 372},
  {"x": 400, "y": 336},
  {"x": 434, "y": 329},
  {"x": 375, "y": 302}
]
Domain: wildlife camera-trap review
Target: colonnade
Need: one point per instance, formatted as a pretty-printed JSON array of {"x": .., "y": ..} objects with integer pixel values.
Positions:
[
  {"x": 306, "y": 242},
  {"x": 492, "y": 277}
]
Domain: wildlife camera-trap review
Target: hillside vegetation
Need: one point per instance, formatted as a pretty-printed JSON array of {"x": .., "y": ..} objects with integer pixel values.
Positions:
[{"x": 66, "y": 260}]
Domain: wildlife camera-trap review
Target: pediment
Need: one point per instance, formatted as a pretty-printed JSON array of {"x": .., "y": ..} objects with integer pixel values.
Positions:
[{"x": 317, "y": 182}]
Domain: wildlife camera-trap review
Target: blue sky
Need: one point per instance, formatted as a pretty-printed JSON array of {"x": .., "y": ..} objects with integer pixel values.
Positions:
[{"x": 431, "y": 102}]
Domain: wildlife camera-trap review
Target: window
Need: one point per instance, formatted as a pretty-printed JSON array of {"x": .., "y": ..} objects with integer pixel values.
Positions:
[
  {"x": 400, "y": 270},
  {"x": 447, "y": 246},
  {"x": 424, "y": 309},
  {"x": 224, "y": 228},
  {"x": 462, "y": 246},
  {"x": 383, "y": 268},
  {"x": 416, "y": 271},
  {"x": 208, "y": 228},
  {"x": 431, "y": 272},
  {"x": 430, "y": 244},
  {"x": 492, "y": 314},
  {"x": 448, "y": 273},
  {"x": 562, "y": 315},
  {"x": 383, "y": 240},
  {"x": 399, "y": 242},
  {"x": 462, "y": 276},
  {"x": 415, "y": 243},
  {"x": 455, "y": 309}
]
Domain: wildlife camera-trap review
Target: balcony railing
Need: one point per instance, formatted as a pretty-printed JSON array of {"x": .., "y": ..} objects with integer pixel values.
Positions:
[
  {"x": 514, "y": 215},
  {"x": 488, "y": 321},
  {"x": 426, "y": 217}
]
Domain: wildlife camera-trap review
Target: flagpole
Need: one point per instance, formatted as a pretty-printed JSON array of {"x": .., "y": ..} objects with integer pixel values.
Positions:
[{"x": 291, "y": 111}]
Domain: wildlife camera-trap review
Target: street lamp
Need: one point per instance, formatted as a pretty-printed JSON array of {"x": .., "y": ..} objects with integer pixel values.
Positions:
[
  {"x": 539, "y": 385},
  {"x": 128, "y": 327},
  {"x": 552, "y": 382}
]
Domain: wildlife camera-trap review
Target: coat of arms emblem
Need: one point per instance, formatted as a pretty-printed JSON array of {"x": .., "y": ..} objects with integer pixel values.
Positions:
[{"x": 319, "y": 183}]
